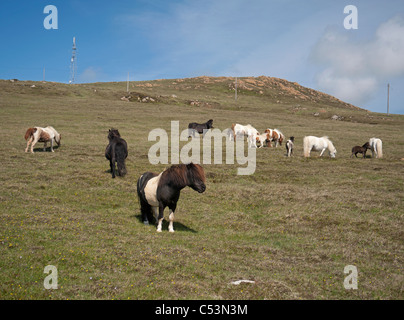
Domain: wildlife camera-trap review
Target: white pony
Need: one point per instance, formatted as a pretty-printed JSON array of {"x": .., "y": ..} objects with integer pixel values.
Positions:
[
  {"x": 39, "y": 134},
  {"x": 248, "y": 130},
  {"x": 376, "y": 147},
  {"x": 262, "y": 139},
  {"x": 311, "y": 143}
]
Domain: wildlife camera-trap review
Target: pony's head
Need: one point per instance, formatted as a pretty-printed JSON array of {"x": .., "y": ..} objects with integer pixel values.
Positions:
[
  {"x": 209, "y": 124},
  {"x": 113, "y": 133},
  {"x": 58, "y": 137},
  {"x": 196, "y": 177},
  {"x": 366, "y": 145},
  {"x": 332, "y": 150}
]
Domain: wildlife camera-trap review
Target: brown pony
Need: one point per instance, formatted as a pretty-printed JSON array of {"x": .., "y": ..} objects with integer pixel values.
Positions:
[
  {"x": 362, "y": 150},
  {"x": 156, "y": 191}
]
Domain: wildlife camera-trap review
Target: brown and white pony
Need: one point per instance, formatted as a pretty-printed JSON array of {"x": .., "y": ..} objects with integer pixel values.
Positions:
[
  {"x": 276, "y": 136},
  {"x": 156, "y": 191},
  {"x": 39, "y": 134}
]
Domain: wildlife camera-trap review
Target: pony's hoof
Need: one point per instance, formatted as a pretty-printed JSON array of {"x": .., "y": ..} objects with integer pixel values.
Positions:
[
  {"x": 171, "y": 230},
  {"x": 146, "y": 223},
  {"x": 158, "y": 230}
]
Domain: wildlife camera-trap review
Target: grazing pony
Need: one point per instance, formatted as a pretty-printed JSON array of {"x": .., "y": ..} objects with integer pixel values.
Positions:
[
  {"x": 289, "y": 146},
  {"x": 156, "y": 191},
  {"x": 263, "y": 139},
  {"x": 199, "y": 127},
  {"x": 248, "y": 130},
  {"x": 311, "y": 143},
  {"x": 39, "y": 134},
  {"x": 358, "y": 149},
  {"x": 376, "y": 147},
  {"x": 116, "y": 151},
  {"x": 276, "y": 136}
]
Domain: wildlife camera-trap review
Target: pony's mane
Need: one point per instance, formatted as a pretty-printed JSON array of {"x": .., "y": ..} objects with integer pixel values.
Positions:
[
  {"x": 330, "y": 142},
  {"x": 196, "y": 172},
  {"x": 178, "y": 174}
]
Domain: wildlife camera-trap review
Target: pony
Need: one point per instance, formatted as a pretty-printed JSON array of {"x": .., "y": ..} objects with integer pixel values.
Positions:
[
  {"x": 263, "y": 139},
  {"x": 289, "y": 146},
  {"x": 276, "y": 136},
  {"x": 311, "y": 143},
  {"x": 156, "y": 191},
  {"x": 376, "y": 147},
  {"x": 358, "y": 149},
  {"x": 39, "y": 134},
  {"x": 248, "y": 130},
  {"x": 199, "y": 127},
  {"x": 116, "y": 151}
]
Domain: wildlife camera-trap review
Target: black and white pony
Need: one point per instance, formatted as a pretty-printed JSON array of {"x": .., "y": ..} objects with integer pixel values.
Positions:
[
  {"x": 116, "y": 151},
  {"x": 290, "y": 144},
  {"x": 156, "y": 191},
  {"x": 199, "y": 127}
]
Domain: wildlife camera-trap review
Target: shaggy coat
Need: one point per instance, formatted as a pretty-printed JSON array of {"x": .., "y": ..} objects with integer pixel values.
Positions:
[
  {"x": 116, "y": 152},
  {"x": 156, "y": 191},
  {"x": 312, "y": 143},
  {"x": 289, "y": 146},
  {"x": 376, "y": 147},
  {"x": 238, "y": 130},
  {"x": 362, "y": 150},
  {"x": 39, "y": 134},
  {"x": 199, "y": 127}
]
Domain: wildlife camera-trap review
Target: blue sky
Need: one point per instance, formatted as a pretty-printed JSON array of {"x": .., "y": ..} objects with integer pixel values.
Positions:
[{"x": 302, "y": 41}]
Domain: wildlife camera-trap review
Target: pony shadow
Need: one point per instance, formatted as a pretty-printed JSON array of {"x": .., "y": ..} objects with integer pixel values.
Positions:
[
  {"x": 178, "y": 226},
  {"x": 48, "y": 149}
]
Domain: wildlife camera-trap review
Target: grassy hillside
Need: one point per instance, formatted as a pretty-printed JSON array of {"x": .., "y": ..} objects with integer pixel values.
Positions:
[{"x": 291, "y": 227}]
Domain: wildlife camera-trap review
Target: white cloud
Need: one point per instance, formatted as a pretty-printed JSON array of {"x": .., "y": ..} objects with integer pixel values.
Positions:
[
  {"x": 353, "y": 70},
  {"x": 91, "y": 74}
]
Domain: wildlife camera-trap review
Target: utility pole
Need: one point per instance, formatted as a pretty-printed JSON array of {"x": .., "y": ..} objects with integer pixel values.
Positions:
[
  {"x": 73, "y": 63},
  {"x": 235, "y": 94},
  {"x": 388, "y": 97}
]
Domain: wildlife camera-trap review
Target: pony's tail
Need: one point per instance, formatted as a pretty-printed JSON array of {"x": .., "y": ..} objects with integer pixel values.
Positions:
[
  {"x": 306, "y": 147},
  {"x": 145, "y": 208},
  {"x": 120, "y": 160},
  {"x": 379, "y": 148},
  {"x": 281, "y": 138},
  {"x": 29, "y": 133}
]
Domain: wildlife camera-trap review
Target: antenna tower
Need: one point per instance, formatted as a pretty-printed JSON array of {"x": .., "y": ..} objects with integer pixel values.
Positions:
[{"x": 73, "y": 63}]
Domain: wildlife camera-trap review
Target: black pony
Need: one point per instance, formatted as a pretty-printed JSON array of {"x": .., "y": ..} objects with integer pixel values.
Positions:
[
  {"x": 116, "y": 151},
  {"x": 199, "y": 127},
  {"x": 156, "y": 191}
]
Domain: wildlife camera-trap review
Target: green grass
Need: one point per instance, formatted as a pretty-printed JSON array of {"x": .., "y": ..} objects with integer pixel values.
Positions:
[{"x": 291, "y": 227}]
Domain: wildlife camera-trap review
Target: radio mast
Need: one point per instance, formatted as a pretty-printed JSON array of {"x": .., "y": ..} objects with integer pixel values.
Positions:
[{"x": 73, "y": 62}]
